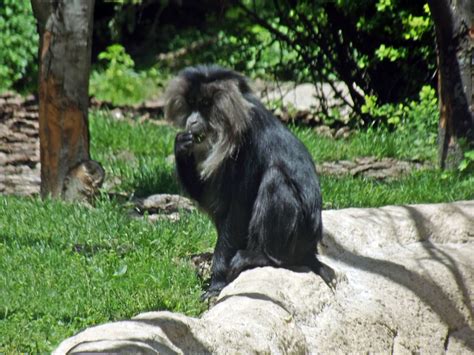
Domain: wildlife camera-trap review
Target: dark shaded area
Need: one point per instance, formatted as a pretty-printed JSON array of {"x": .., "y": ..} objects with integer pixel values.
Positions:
[{"x": 148, "y": 26}]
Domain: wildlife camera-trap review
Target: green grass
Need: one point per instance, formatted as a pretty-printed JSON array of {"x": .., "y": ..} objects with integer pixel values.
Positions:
[
  {"x": 64, "y": 267},
  {"x": 378, "y": 143},
  {"x": 429, "y": 186},
  {"x": 134, "y": 152}
]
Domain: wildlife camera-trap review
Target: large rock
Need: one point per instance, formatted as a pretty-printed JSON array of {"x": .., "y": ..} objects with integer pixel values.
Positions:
[
  {"x": 405, "y": 284},
  {"x": 307, "y": 97}
]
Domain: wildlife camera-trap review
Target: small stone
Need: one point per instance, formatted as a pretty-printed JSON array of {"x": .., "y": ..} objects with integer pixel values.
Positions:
[
  {"x": 343, "y": 132},
  {"x": 324, "y": 131}
]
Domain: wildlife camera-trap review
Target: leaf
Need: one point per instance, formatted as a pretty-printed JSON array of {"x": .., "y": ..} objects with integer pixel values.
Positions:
[
  {"x": 121, "y": 271},
  {"x": 469, "y": 155},
  {"x": 463, "y": 165}
]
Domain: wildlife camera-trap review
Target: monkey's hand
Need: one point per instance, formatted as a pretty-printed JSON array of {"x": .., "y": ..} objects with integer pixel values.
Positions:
[{"x": 183, "y": 144}]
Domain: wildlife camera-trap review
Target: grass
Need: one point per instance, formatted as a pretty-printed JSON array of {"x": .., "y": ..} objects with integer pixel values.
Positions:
[
  {"x": 136, "y": 153},
  {"x": 378, "y": 143},
  {"x": 429, "y": 186},
  {"x": 64, "y": 267}
]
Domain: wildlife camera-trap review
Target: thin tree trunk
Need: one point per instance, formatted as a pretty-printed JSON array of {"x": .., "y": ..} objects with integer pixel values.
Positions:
[
  {"x": 453, "y": 21},
  {"x": 65, "y": 29}
]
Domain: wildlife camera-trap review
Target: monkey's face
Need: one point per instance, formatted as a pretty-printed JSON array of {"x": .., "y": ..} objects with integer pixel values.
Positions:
[
  {"x": 197, "y": 126},
  {"x": 210, "y": 103},
  {"x": 192, "y": 107},
  {"x": 197, "y": 121}
]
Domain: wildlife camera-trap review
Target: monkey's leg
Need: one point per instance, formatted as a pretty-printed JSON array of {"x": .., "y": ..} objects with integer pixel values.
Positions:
[
  {"x": 275, "y": 221},
  {"x": 247, "y": 259}
]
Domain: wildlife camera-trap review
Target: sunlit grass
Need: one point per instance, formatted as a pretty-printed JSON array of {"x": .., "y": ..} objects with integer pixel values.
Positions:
[{"x": 65, "y": 267}]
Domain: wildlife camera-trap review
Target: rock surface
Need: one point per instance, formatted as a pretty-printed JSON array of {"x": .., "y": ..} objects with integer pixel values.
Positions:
[
  {"x": 405, "y": 284},
  {"x": 306, "y": 96},
  {"x": 162, "y": 206}
]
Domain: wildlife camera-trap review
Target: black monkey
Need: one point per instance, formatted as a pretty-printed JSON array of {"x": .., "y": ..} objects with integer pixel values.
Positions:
[{"x": 248, "y": 172}]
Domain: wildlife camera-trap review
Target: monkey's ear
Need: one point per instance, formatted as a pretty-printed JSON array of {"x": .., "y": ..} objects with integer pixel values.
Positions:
[{"x": 176, "y": 107}]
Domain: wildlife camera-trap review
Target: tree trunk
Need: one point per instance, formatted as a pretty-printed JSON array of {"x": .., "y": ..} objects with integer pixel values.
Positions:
[
  {"x": 65, "y": 29},
  {"x": 453, "y": 21}
]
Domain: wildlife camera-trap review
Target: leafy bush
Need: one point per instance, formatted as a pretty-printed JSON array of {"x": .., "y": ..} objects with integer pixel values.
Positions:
[
  {"x": 371, "y": 46},
  {"x": 418, "y": 119},
  {"x": 467, "y": 164},
  {"x": 421, "y": 115},
  {"x": 18, "y": 42},
  {"x": 119, "y": 83}
]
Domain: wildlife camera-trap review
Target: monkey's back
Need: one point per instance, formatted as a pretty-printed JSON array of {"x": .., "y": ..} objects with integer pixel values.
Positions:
[{"x": 268, "y": 147}]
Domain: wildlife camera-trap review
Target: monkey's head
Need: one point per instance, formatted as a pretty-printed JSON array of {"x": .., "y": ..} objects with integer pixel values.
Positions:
[{"x": 210, "y": 102}]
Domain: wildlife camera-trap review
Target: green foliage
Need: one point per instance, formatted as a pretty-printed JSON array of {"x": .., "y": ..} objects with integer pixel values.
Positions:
[
  {"x": 391, "y": 53},
  {"x": 414, "y": 119},
  {"x": 256, "y": 53},
  {"x": 421, "y": 115},
  {"x": 120, "y": 83},
  {"x": 18, "y": 42},
  {"x": 371, "y": 43},
  {"x": 417, "y": 26},
  {"x": 467, "y": 164}
]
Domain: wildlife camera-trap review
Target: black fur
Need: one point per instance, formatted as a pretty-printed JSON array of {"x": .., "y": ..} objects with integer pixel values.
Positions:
[{"x": 264, "y": 200}]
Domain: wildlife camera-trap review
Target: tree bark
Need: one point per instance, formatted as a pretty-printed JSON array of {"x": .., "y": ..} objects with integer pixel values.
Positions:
[
  {"x": 453, "y": 21},
  {"x": 65, "y": 29}
]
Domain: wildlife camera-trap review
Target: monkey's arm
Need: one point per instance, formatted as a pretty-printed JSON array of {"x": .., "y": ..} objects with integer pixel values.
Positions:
[{"x": 186, "y": 165}]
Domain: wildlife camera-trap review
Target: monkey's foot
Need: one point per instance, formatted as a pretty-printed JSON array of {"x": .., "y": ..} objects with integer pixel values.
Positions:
[
  {"x": 212, "y": 291},
  {"x": 329, "y": 276}
]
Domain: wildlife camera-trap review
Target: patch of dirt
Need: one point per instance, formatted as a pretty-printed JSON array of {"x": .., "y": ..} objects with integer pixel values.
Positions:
[
  {"x": 19, "y": 145},
  {"x": 371, "y": 167}
]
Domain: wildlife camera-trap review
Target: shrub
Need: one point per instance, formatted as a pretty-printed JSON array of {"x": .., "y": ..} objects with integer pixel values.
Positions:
[
  {"x": 417, "y": 119},
  {"x": 18, "y": 42},
  {"x": 119, "y": 83}
]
